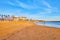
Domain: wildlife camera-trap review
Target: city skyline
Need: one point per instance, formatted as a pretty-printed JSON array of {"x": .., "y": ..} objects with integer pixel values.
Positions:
[{"x": 33, "y": 9}]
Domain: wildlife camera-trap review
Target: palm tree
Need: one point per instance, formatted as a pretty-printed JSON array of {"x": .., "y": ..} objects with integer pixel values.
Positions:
[
  {"x": 8, "y": 17},
  {"x": 2, "y": 17}
]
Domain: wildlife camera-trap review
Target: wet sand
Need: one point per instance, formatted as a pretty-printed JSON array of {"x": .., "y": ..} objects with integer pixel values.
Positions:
[{"x": 26, "y": 30}]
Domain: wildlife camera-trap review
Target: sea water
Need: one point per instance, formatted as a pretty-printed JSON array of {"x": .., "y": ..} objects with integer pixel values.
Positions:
[{"x": 50, "y": 24}]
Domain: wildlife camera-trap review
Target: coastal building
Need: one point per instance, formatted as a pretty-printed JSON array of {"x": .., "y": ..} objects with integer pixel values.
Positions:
[
  {"x": 15, "y": 18},
  {"x": 23, "y": 18}
]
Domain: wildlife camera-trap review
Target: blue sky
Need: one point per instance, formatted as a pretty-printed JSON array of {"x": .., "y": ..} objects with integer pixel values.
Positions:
[{"x": 33, "y": 9}]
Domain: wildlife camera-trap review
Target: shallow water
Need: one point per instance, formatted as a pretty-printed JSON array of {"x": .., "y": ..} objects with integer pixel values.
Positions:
[{"x": 50, "y": 24}]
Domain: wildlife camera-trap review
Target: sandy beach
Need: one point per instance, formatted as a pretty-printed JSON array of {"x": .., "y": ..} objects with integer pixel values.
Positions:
[{"x": 26, "y": 30}]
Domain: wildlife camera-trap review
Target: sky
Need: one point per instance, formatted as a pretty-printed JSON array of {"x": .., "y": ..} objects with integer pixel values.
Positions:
[{"x": 33, "y": 9}]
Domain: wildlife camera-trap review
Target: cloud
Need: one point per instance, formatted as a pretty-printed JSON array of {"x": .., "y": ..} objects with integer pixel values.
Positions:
[
  {"x": 27, "y": 6},
  {"x": 54, "y": 18},
  {"x": 49, "y": 9},
  {"x": 46, "y": 4},
  {"x": 56, "y": 10},
  {"x": 46, "y": 11},
  {"x": 11, "y": 3},
  {"x": 23, "y": 5}
]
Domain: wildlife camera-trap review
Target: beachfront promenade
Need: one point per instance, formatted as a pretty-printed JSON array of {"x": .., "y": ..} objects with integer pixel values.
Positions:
[{"x": 27, "y": 30}]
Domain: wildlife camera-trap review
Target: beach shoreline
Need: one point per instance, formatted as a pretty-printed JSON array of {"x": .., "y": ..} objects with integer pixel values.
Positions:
[{"x": 10, "y": 28}]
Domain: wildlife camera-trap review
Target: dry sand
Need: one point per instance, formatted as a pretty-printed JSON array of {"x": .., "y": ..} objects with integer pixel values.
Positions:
[{"x": 26, "y": 30}]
